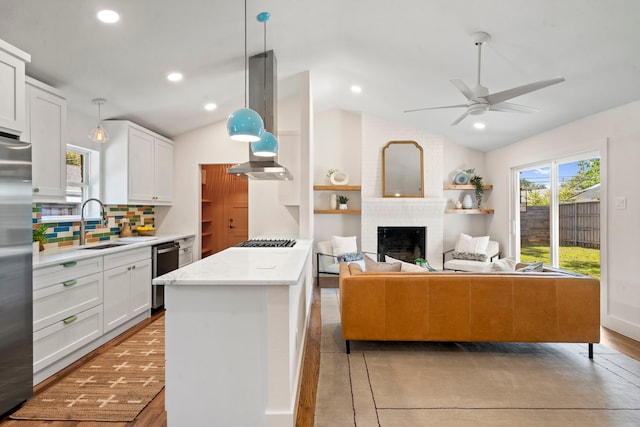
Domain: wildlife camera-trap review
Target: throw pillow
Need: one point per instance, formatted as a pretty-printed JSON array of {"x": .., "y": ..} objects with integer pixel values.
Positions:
[
  {"x": 405, "y": 267},
  {"x": 471, "y": 248},
  {"x": 343, "y": 245},
  {"x": 371, "y": 265},
  {"x": 504, "y": 264},
  {"x": 351, "y": 256},
  {"x": 531, "y": 266}
]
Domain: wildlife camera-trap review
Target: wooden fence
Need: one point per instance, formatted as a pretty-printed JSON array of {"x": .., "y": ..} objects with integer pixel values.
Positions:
[{"x": 579, "y": 225}]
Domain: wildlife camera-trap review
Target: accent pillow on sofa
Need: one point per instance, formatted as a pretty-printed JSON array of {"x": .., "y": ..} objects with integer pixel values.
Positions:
[
  {"x": 504, "y": 264},
  {"x": 371, "y": 265},
  {"x": 343, "y": 245},
  {"x": 350, "y": 256},
  {"x": 405, "y": 267},
  {"x": 471, "y": 248},
  {"x": 530, "y": 266}
]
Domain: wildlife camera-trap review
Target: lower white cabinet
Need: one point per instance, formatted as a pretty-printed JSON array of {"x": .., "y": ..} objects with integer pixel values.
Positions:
[
  {"x": 67, "y": 309},
  {"x": 127, "y": 286}
]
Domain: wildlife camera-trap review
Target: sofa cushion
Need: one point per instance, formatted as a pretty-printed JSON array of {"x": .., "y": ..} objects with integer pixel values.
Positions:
[
  {"x": 405, "y": 266},
  {"x": 343, "y": 245},
  {"x": 504, "y": 264},
  {"x": 350, "y": 256},
  {"x": 530, "y": 266},
  {"x": 371, "y": 265},
  {"x": 471, "y": 248}
]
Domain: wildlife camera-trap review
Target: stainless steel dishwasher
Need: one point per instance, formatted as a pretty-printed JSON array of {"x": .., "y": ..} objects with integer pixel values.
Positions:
[{"x": 164, "y": 258}]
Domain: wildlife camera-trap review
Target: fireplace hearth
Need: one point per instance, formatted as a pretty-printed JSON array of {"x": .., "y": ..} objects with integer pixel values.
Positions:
[{"x": 404, "y": 243}]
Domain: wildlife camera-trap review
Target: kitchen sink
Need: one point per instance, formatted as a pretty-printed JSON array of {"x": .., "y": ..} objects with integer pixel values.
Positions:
[{"x": 104, "y": 246}]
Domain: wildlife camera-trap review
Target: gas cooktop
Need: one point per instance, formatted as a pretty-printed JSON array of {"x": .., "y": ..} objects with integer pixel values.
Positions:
[{"x": 267, "y": 243}]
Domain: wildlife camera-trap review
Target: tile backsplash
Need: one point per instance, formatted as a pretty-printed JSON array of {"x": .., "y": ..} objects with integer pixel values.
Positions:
[{"x": 67, "y": 233}]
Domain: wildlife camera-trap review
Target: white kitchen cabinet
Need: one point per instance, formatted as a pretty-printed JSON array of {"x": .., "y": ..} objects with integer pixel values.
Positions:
[
  {"x": 12, "y": 101},
  {"x": 138, "y": 165},
  {"x": 67, "y": 309},
  {"x": 127, "y": 286},
  {"x": 46, "y": 129}
]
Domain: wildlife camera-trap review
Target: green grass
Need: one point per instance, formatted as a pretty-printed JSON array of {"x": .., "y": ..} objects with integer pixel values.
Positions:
[{"x": 573, "y": 258}]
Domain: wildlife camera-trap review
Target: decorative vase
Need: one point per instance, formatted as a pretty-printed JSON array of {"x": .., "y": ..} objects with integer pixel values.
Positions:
[
  {"x": 36, "y": 248},
  {"x": 458, "y": 204},
  {"x": 339, "y": 178},
  {"x": 461, "y": 179},
  {"x": 333, "y": 202},
  {"x": 467, "y": 202},
  {"x": 343, "y": 206}
]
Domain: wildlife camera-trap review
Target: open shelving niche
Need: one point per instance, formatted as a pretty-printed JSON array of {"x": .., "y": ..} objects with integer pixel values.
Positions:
[
  {"x": 337, "y": 188},
  {"x": 486, "y": 187}
]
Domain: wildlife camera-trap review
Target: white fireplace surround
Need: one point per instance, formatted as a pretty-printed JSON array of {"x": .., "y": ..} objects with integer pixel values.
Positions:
[
  {"x": 405, "y": 212},
  {"x": 401, "y": 211}
]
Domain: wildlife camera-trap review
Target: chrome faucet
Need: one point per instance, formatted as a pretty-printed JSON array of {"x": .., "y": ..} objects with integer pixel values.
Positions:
[{"x": 82, "y": 224}]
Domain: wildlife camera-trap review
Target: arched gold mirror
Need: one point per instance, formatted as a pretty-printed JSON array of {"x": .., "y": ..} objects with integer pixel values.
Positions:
[{"x": 402, "y": 169}]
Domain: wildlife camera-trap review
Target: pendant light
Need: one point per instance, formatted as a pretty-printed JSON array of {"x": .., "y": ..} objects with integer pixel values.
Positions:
[
  {"x": 99, "y": 134},
  {"x": 245, "y": 124},
  {"x": 267, "y": 145}
]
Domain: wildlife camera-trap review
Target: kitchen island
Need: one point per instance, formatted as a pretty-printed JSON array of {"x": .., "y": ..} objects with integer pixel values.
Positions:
[{"x": 235, "y": 329}]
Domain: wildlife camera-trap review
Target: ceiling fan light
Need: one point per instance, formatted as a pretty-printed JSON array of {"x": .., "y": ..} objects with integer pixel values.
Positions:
[
  {"x": 245, "y": 125},
  {"x": 267, "y": 146}
]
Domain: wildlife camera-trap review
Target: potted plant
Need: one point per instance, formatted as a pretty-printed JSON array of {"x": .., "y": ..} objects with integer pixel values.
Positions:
[
  {"x": 40, "y": 235},
  {"x": 342, "y": 201},
  {"x": 476, "y": 181}
]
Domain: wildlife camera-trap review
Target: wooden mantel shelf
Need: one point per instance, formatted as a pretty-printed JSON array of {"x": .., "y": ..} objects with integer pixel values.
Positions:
[
  {"x": 466, "y": 187},
  {"x": 336, "y": 188}
]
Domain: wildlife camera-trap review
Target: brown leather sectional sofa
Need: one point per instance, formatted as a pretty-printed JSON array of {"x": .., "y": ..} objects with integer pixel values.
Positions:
[{"x": 469, "y": 307}]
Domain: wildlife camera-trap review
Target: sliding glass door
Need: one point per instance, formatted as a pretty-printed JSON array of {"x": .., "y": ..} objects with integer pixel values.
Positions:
[{"x": 558, "y": 219}]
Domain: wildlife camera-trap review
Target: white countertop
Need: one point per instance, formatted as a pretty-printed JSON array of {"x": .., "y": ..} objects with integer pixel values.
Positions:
[
  {"x": 244, "y": 266},
  {"x": 74, "y": 253}
]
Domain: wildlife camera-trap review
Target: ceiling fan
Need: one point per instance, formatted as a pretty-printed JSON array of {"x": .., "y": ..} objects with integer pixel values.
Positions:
[{"x": 479, "y": 98}]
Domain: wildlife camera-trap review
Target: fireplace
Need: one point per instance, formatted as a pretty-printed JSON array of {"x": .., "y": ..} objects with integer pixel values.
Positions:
[{"x": 404, "y": 243}]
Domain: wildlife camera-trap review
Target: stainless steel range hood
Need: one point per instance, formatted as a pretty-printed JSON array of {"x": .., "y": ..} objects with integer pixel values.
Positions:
[{"x": 263, "y": 98}]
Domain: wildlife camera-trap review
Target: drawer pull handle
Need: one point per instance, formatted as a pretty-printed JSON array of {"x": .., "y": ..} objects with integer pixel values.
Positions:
[
  {"x": 70, "y": 282},
  {"x": 69, "y": 264},
  {"x": 70, "y": 319}
]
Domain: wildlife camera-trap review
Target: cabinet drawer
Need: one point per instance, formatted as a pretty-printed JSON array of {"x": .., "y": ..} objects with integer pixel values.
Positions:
[
  {"x": 186, "y": 257},
  {"x": 126, "y": 257},
  {"x": 60, "y": 339},
  {"x": 61, "y": 300},
  {"x": 63, "y": 272}
]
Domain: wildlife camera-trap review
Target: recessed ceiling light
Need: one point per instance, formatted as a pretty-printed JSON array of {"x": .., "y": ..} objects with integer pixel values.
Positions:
[
  {"x": 479, "y": 125},
  {"x": 174, "y": 77},
  {"x": 210, "y": 106},
  {"x": 356, "y": 89},
  {"x": 108, "y": 16}
]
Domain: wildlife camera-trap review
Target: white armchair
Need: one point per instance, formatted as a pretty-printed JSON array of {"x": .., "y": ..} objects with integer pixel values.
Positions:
[
  {"x": 328, "y": 263},
  {"x": 460, "y": 262}
]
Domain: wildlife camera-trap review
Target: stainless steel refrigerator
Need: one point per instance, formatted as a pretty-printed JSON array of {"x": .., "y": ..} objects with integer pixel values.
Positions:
[{"x": 16, "y": 310}]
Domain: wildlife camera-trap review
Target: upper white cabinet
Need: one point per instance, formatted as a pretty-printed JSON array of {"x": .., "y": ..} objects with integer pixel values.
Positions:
[
  {"x": 12, "y": 77},
  {"x": 138, "y": 165},
  {"x": 46, "y": 129}
]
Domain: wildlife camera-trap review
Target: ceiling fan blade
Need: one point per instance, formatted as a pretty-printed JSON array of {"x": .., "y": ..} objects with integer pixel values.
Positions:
[
  {"x": 459, "y": 119},
  {"x": 511, "y": 107},
  {"x": 505, "y": 95},
  {"x": 437, "y": 108},
  {"x": 462, "y": 87}
]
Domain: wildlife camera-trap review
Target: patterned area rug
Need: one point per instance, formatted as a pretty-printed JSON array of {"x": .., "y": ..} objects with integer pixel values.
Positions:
[{"x": 115, "y": 386}]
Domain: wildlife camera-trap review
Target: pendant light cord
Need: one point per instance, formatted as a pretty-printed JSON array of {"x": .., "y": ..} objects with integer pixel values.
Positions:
[
  {"x": 246, "y": 60},
  {"x": 264, "y": 79}
]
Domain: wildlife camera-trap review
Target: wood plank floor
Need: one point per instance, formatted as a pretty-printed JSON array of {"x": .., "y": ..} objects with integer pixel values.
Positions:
[{"x": 154, "y": 414}]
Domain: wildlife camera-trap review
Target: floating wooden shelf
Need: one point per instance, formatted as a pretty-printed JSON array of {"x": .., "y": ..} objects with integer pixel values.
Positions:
[
  {"x": 206, "y": 220},
  {"x": 206, "y": 201},
  {"x": 338, "y": 211},
  {"x": 470, "y": 211},
  {"x": 206, "y": 234},
  {"x": 336, "y": 188},
  {"x": 466, "y": 187}
]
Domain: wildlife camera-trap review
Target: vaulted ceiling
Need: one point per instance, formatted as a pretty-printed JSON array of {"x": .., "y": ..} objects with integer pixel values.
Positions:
[{"x": 403, "y": 54}]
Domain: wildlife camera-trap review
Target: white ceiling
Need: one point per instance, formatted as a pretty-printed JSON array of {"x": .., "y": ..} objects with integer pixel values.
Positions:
[{"x": 402, "y": 53}]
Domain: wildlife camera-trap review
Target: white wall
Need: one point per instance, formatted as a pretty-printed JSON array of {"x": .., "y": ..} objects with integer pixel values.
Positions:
[{"x": 616, "y": 133}]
